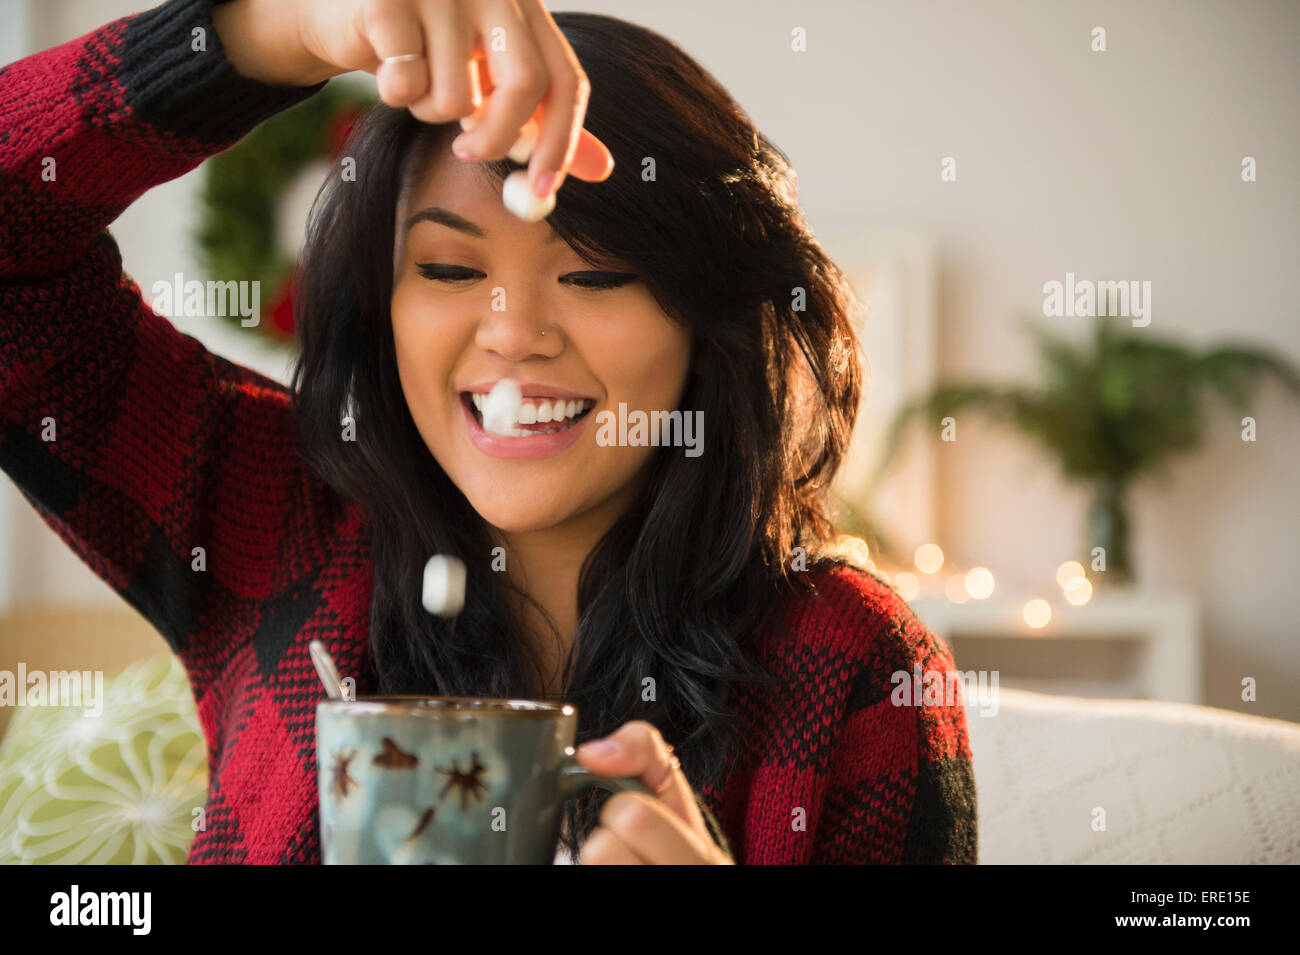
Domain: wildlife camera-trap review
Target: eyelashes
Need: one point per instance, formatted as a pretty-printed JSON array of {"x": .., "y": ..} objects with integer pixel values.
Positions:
[{"x": 592, "y": 281}]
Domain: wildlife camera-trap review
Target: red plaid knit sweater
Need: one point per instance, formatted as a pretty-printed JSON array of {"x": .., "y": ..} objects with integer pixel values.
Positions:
[{"x": 161, "y": 446}]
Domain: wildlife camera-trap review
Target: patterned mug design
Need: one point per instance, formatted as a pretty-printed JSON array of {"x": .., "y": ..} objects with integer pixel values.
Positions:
[{"x": 446, "y": 780}]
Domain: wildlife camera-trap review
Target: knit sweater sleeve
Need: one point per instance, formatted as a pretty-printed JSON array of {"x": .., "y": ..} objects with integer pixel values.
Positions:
[
  {"x": 838, "y": 766},
  {"x": 168, "y": 469},
  {"x": 900, "y": 785}
]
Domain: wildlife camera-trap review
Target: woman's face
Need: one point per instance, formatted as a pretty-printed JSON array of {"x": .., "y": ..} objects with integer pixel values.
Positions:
[{"x": 474, "y": 290}]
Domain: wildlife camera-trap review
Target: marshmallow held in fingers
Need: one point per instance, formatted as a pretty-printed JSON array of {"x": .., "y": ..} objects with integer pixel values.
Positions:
[
  {"x": 444, "y": 585},
  {"x": 518, "y": 197},
  {"x": 501, "y": 407}
]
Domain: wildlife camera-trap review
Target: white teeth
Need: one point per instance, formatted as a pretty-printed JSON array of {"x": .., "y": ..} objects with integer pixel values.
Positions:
[{"x": 544, "y": 412}]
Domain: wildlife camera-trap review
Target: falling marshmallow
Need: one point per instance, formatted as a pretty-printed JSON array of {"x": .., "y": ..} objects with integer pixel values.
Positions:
[
  {"x": 501, "y": 407},
  {"x": 444, "y": 585},
  {"x": 519, "y": 199}
]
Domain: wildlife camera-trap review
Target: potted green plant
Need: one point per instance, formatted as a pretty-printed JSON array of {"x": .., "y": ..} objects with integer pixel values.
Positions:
[{"x": 1109, "y": 412}]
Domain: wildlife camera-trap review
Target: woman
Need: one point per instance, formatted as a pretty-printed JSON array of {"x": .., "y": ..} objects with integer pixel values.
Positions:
[{"x": 687, "y": 597}]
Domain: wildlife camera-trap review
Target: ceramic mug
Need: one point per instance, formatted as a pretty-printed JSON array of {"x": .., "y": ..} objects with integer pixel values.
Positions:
[{"x": 411, "y": 780}]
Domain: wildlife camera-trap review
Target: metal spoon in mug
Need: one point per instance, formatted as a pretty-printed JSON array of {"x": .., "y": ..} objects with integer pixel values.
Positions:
[{"x": 325, "y": 669}]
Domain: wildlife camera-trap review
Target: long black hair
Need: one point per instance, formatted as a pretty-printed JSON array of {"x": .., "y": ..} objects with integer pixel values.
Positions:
[{"x": 702, "y": 206}]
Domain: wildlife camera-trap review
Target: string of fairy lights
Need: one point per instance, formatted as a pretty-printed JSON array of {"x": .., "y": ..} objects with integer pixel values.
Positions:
[{"x": 926, "y": 578}]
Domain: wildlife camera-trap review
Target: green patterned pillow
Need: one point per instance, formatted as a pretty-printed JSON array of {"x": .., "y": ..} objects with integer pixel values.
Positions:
[{"x": 117, "y": 789}]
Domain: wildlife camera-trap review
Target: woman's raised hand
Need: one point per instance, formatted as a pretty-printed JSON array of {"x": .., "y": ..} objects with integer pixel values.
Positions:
[{"x": 503, "y": 62}]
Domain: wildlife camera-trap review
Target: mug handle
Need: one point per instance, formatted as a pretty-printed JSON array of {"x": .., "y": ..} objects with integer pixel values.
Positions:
[{"x": 574, "y": 778}]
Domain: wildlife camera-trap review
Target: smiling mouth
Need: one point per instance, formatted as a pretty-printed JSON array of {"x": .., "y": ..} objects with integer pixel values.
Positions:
[{"x": 535, "y": 415}]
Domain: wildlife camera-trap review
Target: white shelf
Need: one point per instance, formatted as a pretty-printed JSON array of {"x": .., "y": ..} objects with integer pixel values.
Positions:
[{"x": 1164, "y": 626}]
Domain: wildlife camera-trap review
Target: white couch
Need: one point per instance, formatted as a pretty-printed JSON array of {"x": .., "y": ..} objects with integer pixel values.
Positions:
[{"x": 1177, "y": 783}]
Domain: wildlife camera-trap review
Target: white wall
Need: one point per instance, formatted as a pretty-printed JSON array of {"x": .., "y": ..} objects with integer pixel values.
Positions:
[{"x": 1123, "y": 164}]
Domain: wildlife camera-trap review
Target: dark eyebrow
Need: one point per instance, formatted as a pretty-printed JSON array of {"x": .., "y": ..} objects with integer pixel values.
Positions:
[{"x": 453, "y": 221}]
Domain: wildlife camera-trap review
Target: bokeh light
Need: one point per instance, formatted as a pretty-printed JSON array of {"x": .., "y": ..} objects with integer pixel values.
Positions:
[
  {"x": 1079, "y": 592},
  {"x": 1038, "y": 613},
  {"x": 1068, "y": 572},
  {"x": 979, "y": 582},
  {"x": 907, "y": 584},
  {"x": 928, "y": 558},
  {"x": 955, "y": 588}
]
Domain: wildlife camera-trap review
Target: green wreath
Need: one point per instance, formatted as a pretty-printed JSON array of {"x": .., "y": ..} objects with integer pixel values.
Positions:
[{"x": 240, "y": 192}]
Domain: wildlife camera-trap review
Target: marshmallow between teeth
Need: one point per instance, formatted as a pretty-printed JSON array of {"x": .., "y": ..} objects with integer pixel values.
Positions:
[
  {"x": 444, "y": 585},
  {"x": 501, "y": 407}
]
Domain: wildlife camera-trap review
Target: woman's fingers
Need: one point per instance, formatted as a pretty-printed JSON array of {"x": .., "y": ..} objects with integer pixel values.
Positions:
[
  {"x": 501, "y": 66},
  {"x": 604, "y": 847},
  {"x": 519, "y": 81},
  {"x": 642, "y": 752},
  {"x": 666, "y": 828},
  {"x": 592, "y": 159},
  {"x": 394, "y": 29},
  {"x": 652, "y": 831},
  {"x": 447, "y": 33},
  {"x": 565, "y": 102},
  {"x": 482, "y": 76}
]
